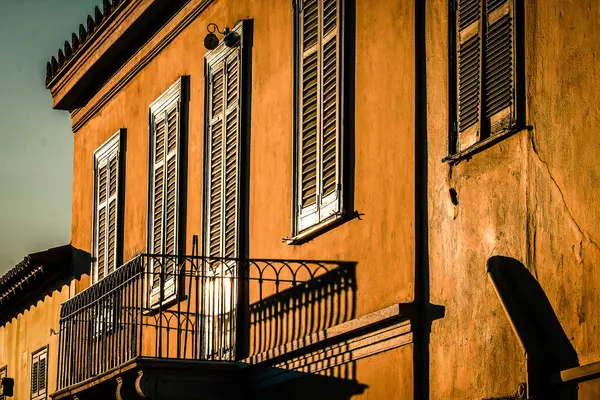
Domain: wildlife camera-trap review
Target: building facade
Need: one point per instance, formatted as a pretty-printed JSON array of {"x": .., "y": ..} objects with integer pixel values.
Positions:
[{"x": 326, "y": 199}]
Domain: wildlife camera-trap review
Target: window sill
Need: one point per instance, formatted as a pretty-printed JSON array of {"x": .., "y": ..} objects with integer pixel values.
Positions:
[
  {"x": 320, "y": 228},
  {"x": 478, "y": 147}
]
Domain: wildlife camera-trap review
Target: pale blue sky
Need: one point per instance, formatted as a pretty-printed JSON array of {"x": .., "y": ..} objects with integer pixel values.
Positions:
[{"x": 36, "y": 142}]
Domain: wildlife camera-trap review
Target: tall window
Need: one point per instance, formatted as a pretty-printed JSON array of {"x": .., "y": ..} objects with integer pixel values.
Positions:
[
  {"x": 39, "y": 374},
  {"x": 107, "y": 171},
  {"x": 164, "y": 208},
  {"x": 486, "y": 38},
  {"x": 224, "y": 189},
  {"x": 319, "y": 132}
]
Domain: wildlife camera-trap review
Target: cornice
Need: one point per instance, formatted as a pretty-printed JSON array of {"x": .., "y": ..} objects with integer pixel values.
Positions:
[
  {"x": 114, "y": 40},
  {"x": 128, "y": 72},
  {"x": 88, "y": 39}
]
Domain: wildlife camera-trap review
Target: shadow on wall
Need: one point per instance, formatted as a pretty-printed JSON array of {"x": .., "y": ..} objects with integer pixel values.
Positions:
[
  {"x": 292, "y": 385},
  {"x": 298, "y": 317},
  {"x": 547, "y": 347},
  {"x": 302, "y": 309}
]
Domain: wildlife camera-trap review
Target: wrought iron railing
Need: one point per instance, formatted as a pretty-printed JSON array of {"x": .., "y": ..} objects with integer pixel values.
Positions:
[{"x": 198, "y": 308}]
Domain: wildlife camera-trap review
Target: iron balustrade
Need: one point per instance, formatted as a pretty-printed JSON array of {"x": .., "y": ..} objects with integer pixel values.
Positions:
[{"x": 198, "y": 308}]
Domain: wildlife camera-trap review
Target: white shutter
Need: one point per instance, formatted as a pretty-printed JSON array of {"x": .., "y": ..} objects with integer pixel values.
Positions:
[
  {"x": 223, "y": 140},
  {"x": 330, "y": 164},
  {"x": 222, "y": 195},
  {"x": 164, "y": 189},
  {"x": 309, "y": 116},
  {"x": 106, "y": 208},
  {"x": 319, "y": 131}
]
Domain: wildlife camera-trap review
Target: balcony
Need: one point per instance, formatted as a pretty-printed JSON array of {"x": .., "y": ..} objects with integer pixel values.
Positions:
[{"x": 166, "y": 326}]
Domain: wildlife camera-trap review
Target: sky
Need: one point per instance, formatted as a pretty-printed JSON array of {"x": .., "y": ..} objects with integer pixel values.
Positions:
[{"x": 36, "y": 142}]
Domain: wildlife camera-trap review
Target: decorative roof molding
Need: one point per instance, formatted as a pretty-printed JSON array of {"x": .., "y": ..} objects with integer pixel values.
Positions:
[
  {"x": 109, "y": 41},
  {"x": 32, "y": 272},
  {"x": 94, "y": 26},
  {"x": 130, "y": 70}
]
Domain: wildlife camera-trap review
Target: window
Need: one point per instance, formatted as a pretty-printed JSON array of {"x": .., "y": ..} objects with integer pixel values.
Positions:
[
  {"x": 3, "y": 374},
  {"x": 224, "y": 188},
  {"x": 485, "y": 69},
  {"x": 39, "y": 374},
  {"x": 223, "y": 142},
  {"x": 319, "y": 131},
  {"x": 107, "y": 178},
  {"x": 165, "y": 191}
]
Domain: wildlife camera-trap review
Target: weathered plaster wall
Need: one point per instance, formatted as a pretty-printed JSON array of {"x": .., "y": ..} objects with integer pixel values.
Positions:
[
  {"x": 27, "y": 333},
  {"x": 532, "y": 197},
  {"x": 381, "y": 242}
]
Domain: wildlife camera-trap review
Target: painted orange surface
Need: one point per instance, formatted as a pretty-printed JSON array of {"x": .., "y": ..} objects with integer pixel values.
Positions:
[
  {"x": 531, "y": 197},
  {"x": 381, "y": 242}
]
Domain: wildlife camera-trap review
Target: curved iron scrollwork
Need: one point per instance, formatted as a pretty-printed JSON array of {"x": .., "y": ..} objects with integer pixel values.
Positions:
[{"x": 198, "y": 308}]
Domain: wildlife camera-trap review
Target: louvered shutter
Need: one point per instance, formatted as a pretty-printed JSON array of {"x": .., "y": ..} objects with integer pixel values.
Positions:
[
  {"x": 39, "y": 374},
  {"x": 469, "y": 72},
  {"x": 329, "y": 167},
  {"x": 42, "y": 374},
  {"x": 319, "y": 169},
  {"x": 309, "y": 113},
  {"x": 499, "y": 65},
  {"x": 35, "y": 375},
  {"x": 164, "y": 213},
  {"x": 222, "y": 212},
  {"x": 106, "y": 210}
]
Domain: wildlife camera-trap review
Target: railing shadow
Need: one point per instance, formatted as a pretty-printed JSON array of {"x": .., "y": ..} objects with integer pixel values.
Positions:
[
  {"x": 201, "y": 308},
  {"x": 293, "y": 311},
  {"x": 547, "y": 347}
]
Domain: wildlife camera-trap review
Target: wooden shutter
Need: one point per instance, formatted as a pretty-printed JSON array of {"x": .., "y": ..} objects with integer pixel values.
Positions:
[
  {"x": 2, "y": 375},
  {"x": 106, "y": 208},
  {"x": 164, "y": 182},
  {"x": 469, "y": 72},
  {"x": 42, "y": 374},
  {"x": 223, "y": 141},
  {"x": 499, "y": 65},
  {"x": 34, "y": 375},
  {"x": 309, "y": 112},
  {"x": 39, "y": 374},
  {"x": 318, "y": 141},
  {"x": 329, "y": 167}
]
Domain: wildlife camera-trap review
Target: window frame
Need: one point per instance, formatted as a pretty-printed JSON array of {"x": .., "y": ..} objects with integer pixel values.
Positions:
[
  {"x": 341, "y": 212},
  {"x": 177, "y": 93},
  {"x": 39, "y": 353},
  {"x": 115, "y": 143},
  {"x": 454, "y": 154},
  {"x": 220, "y": 55}
]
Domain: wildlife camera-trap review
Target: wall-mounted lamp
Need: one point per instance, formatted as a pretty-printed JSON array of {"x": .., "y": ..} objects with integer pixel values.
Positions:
[{"x": 230, "y": 38}]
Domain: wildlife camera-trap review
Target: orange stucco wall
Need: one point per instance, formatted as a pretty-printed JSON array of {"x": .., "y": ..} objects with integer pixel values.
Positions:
[
  {"x": 381, "y": 242},
  {"x": 29, "y": 331},
  {"x": 532, "y": 197}
]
